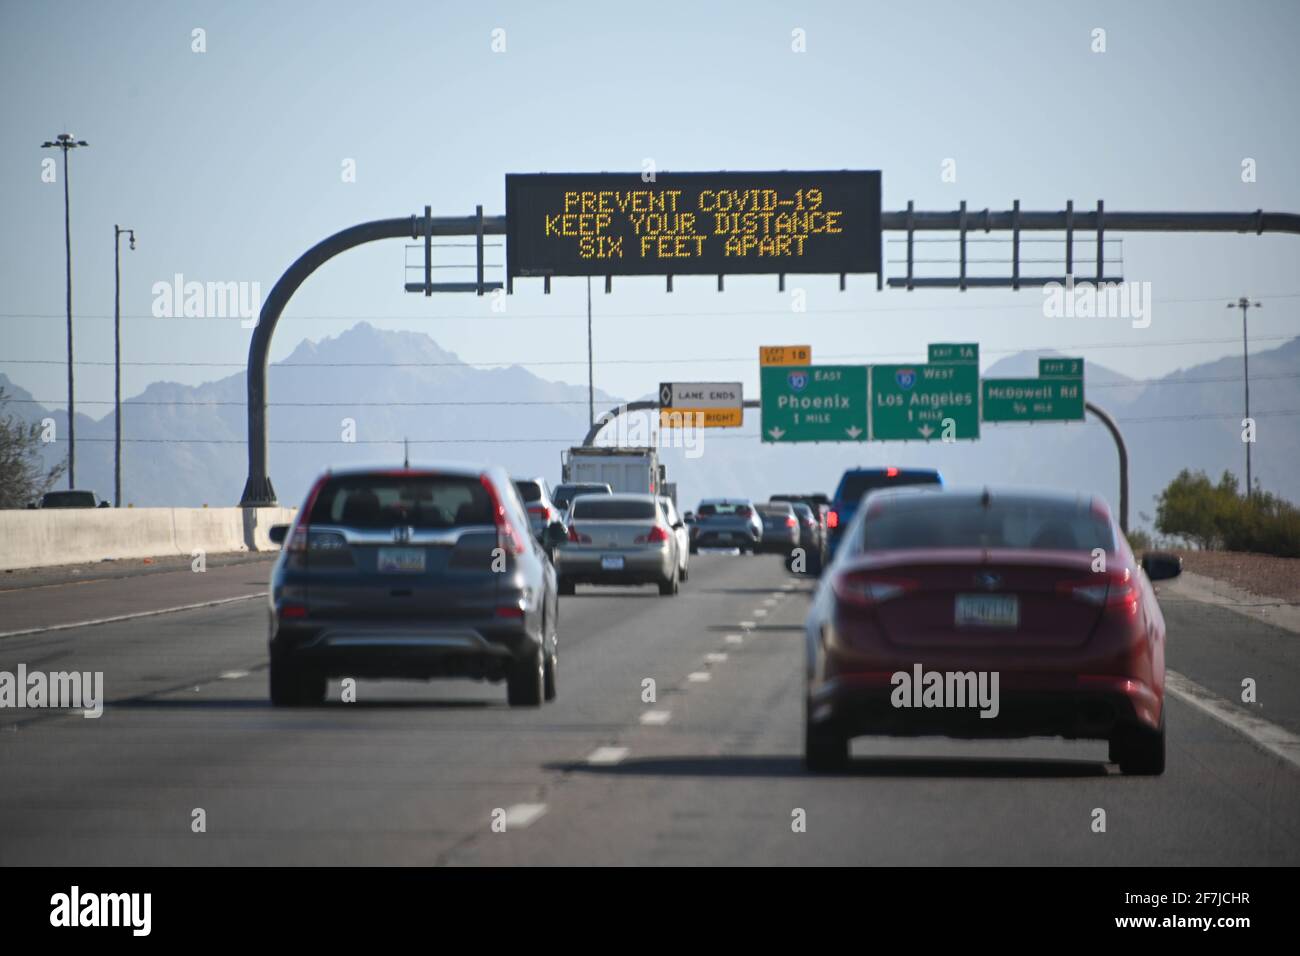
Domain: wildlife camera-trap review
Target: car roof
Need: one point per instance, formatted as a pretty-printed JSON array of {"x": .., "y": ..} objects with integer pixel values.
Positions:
[
  {"x": 459, "y": 469},
  {"x": 620, "y": 496},
  {"x": 726, "y": 501}
]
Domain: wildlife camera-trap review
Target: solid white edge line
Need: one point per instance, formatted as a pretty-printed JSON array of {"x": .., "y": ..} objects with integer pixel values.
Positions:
[
  {"x": 130, "y": 617},
  {"x": 1272, "y": 738}
]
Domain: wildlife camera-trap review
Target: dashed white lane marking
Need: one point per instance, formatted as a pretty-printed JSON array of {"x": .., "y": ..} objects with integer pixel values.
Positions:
[
  {"x": 788, "y": 586},
  {"x": 606, "y": 756},
  {"x": 699, "y": 677},
  {"x": 734, "y": 639},
  {"x": 715, "y": 657},
  {"x": 130, "y": 617},
  {"x": 747, "y": 625},
  {"x": 1277, "y": 741},
  {"x": 232, "y": 675},
  {"x": 760, "y": 612},
  {"x": 522, "y": 815},
  {"x": 656, "y": 717}
]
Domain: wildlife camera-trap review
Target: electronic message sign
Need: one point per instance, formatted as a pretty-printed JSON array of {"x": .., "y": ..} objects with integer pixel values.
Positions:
[{"x": 585, "y": 224}]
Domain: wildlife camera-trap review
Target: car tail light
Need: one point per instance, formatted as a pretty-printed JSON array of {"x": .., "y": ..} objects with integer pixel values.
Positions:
[
  {"x": 508, "y": 536},
  {"x": 1113, "y": 589},
  {"x": 832, "y": 519},
  {"x": 514, "y": 611},
  {"x": 867, "y": 589},
  {"x": 743, "y": 511},
  {"x": 792, "y": 522},
  {"x": 891, "y": 472},
  {"x": 293, "y": 611},
  {"x": 540, "y": 511},
  {"x": 576, "y": 537},
  {"x": 658, "y": 534}
]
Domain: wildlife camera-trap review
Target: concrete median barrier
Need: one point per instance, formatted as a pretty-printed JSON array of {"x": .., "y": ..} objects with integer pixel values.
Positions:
[{"x": 38, "y": 539}]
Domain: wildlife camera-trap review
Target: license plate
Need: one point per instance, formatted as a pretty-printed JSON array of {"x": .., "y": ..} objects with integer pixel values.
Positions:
[
  {"x": 987, "y": 610},
  {"x": 611, "y": 562},
  {"x": 401, "y": 560},
  {"x": 724, "y": 536}
]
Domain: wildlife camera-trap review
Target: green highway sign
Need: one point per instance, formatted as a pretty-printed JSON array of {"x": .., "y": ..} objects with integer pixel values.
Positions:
[
  {"x": 1033, "y": 399},
  {"x": 1060, "y": 368},
  {"x": 948, "y": 353},
  {"x": 911, "y": 402},
  {"x": 814, "y": 403}
]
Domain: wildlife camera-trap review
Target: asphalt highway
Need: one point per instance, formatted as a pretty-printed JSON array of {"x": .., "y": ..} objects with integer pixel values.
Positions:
[{"x": 707, "y": 773}]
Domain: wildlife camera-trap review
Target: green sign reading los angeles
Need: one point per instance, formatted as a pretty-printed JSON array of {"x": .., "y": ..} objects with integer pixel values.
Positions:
[
  {"x": 1033, "y": 400},
  {"x": 925, "y": 401},
  {"x": 814, "y": 403}
]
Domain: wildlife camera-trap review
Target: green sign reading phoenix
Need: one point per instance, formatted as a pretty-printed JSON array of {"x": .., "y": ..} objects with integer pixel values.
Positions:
[{"x": 814, "y": 403}]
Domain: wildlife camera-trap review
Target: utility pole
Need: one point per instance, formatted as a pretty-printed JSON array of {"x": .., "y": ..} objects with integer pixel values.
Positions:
[
  {"x": 1246, "y": 305},
  {"x": 591, "y": 380},
  {"x": 117, "y": 359},
  {"x": 65, "y": 142}
]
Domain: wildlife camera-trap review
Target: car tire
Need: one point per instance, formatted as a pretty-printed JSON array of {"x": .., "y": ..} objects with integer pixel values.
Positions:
[
  {"x": 526, "y": 684},
  {"x": 564, "y": 587},
  {"x": 686, "y": 573},
  {"x": 292, "y": 686},
  {"x": 824, "y": 751},
  {"x": 695, "y": 548},
  {"x": 1139, "y": 750},
  {"x": 668, "y": 588},
  {"x": 552, "y": 665}
]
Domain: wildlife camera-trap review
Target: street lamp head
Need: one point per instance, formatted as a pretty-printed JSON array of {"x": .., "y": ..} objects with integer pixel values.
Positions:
[{"x": 132, "y": 232}]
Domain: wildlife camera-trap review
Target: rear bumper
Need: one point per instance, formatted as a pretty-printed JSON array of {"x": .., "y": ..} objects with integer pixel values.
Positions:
[
  {"x": 725, "y": 539},
  {"x": 778, "y": 544},
  {"x": 412, "y": 649},
  {"x": 1088, "y": 707},
  {"x": 639, "y": 567}
]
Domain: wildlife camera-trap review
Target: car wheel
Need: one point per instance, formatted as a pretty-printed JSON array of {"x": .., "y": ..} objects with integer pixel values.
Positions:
[
  {"x": 686, "y": 573},
  {"x": 525, "y": 687},
  {"x": 668, "y": 588},
  {"x": 564, "y": 587},
  {"x": 291, "y": 686},
  {"x": 552, "y": 665},
  {"x": 1139, "y": 750},
  {"x": 824, "y": 751},
  {"x": 695, "y": 548}
]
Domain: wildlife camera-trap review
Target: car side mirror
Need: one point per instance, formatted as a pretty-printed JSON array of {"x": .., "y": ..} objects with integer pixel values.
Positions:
[
  {"x": 104, "y": 504},
  {"x": 677, "y": 526},
  {"x": 278, "y": 533},
  {"x": 689, "y": 517},
  {"x": 1161, "y": 565},
  {"x": 555, "y": 534}
]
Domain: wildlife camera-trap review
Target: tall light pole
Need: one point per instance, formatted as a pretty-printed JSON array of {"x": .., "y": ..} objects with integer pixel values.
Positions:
[
  {"x": 65, "y": 142},
  {"x": 1246, "y": 305},
  {"x": 117, "y": 359},
  {"x": 591, "y": 376}
]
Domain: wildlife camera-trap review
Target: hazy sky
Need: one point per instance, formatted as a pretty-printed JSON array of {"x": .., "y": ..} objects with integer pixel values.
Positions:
[{"x": 228, "y": 164}]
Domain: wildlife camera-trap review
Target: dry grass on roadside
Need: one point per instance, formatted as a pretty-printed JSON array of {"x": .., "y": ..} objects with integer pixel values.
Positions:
[{"x": 1258, "y": 573}]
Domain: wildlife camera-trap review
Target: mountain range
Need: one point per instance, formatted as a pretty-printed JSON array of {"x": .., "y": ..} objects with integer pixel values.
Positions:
[{"x": 325, "y": 391}]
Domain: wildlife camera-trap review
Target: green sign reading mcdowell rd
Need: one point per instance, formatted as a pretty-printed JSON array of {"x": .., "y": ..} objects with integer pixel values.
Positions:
[
  {"x": 1033, "y": 400},
  {"x": 1060, "y": 368},
  {"x": 912, "y": 402},
  {"x": 814, "y": 403}
]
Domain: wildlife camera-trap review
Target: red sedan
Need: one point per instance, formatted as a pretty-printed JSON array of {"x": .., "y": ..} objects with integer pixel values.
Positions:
[{"x": 987, "y": 614}]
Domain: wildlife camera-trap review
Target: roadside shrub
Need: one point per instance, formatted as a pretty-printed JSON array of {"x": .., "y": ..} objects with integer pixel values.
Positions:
[{"x": 1215, "y": 517}]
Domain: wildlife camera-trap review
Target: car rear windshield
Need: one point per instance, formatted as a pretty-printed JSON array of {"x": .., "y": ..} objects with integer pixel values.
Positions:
[
  {"x": 383, "y": 501},
  {"x": 1020, "y": 523},
  {"x": 775, "y": 509},
  {"x": 724, "y": 508},
  {"x": 529, "y": 490},
  {"x": 68, "y": 499},
  {"x": 613, "y": 509},
  {"x": 856, "y": 484},
  {"x": 565, "y": 494}
]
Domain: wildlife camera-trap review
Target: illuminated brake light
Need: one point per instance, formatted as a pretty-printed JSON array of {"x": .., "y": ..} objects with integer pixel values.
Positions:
[
  {"x": 832, "y": 519},
  {"x": 791, "y": 522},
  {"x": 658, "y": 534},
  {"x": 507, "y": 537},
  {"x": 540, "y": 511},
  {"x": 293, "y": 611},
  {"x": 510, "y": 611},
  {"x": 868, "y": 590},
  {"x": 891, "y": 472},
  {"x": 1113, "y": 590}
]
